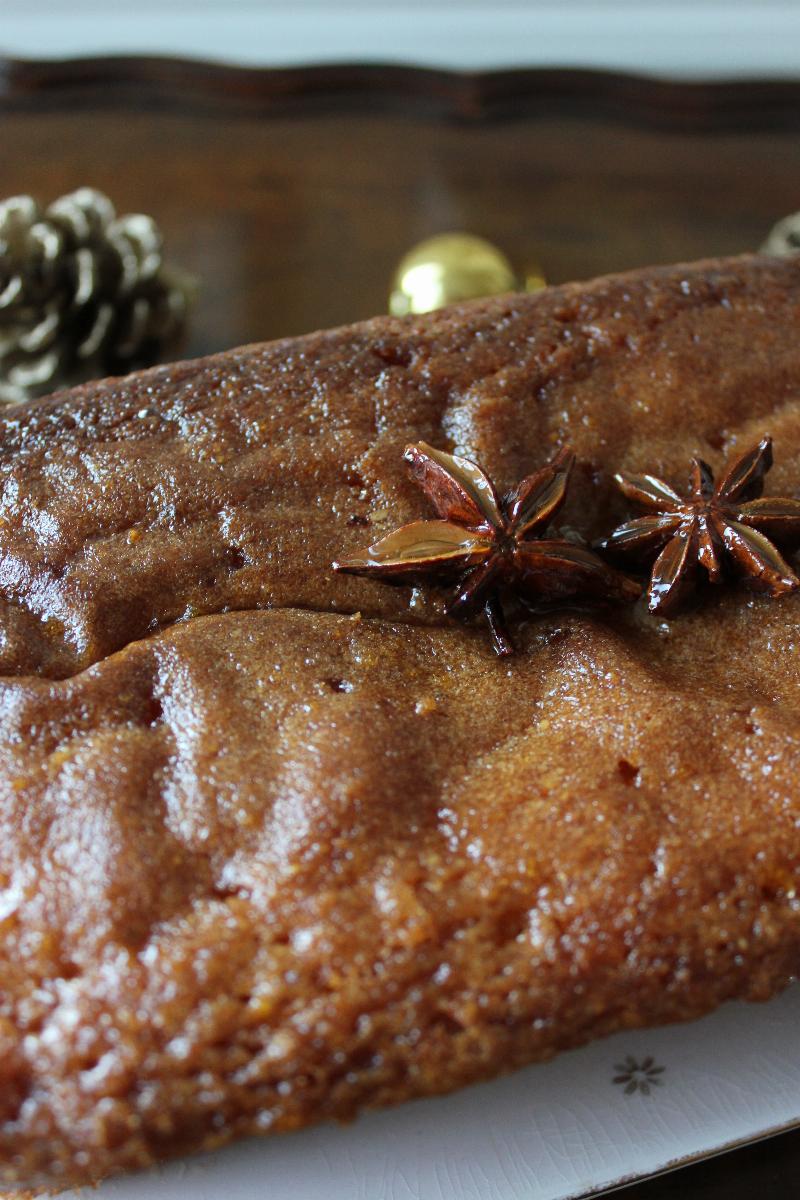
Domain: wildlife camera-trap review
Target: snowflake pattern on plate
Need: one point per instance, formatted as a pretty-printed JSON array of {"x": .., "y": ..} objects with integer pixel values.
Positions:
[{"x": 634, "y": 1076}]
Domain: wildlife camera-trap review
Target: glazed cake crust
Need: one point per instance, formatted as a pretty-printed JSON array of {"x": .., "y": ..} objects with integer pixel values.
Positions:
[
  {"x": 319, "y": 850},
  {"x": 230, "y": 483}
]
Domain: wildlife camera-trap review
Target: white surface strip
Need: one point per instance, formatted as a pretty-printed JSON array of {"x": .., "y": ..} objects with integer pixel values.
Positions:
[
  {"x": 676, "y": 37},
  {"x": 563, "y": 1129}
]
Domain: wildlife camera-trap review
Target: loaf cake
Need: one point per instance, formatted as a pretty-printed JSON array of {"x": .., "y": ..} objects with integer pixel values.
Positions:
[{"x": 279, "y": 844}]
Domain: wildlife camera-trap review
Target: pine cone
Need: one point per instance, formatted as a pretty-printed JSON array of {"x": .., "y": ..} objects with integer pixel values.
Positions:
[
  {"x": 82, "y": 293},
  {"x": 784, "y": 238}
]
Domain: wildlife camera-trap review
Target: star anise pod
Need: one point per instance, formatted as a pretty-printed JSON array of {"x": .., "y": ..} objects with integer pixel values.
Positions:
[
  {"x": 487, "y": 544},
  {"x": 714, "y": 526}
]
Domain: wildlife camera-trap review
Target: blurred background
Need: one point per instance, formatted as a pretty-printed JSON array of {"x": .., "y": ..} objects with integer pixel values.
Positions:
[
  {"x": 677, "y": 37},
  {"x": 293, "y": 196}
]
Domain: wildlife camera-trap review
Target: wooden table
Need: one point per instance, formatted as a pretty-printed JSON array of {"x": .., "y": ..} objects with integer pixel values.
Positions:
[{"x": 292, "y": 194}]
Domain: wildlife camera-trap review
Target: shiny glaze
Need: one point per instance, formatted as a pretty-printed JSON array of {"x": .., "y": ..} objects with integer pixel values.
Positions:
[{"x": 266, "y": 867}]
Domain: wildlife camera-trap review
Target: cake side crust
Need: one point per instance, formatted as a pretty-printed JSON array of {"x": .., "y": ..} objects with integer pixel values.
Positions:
[{"x": 267, "y": 910}]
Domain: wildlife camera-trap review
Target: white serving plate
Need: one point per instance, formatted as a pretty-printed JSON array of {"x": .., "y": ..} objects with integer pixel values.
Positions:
[{"x": 562, "y": 1129}]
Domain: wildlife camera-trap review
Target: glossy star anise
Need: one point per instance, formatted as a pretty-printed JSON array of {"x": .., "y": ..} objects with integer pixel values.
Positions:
[
  {"x": 712, "y": 527},
  {"x": 488, "y": 544}
]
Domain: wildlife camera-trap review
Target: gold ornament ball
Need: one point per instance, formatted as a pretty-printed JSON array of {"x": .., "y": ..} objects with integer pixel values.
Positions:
[{"x": 452, "y": 267}]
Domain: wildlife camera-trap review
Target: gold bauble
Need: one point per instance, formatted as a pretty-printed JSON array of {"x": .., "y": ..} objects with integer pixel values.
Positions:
[{"x": 451, "y": 267}]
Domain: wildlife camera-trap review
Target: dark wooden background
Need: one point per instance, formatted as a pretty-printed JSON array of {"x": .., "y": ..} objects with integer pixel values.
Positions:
[{"x": 292, "y": 194}]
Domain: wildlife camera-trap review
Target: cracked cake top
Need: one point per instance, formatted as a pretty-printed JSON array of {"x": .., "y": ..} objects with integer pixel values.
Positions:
[{"x": 278, "y": 844}]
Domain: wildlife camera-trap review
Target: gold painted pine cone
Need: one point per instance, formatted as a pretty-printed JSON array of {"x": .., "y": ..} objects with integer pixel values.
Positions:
[{"x": 82, "y": 293}]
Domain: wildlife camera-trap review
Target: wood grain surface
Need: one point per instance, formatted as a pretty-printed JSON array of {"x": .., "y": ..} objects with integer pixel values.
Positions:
[{"x": 293, "y": 193}]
